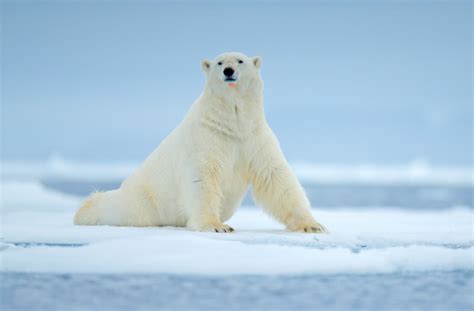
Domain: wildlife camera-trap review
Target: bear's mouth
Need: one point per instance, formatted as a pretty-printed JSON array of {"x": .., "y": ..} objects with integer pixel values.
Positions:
[{"x": 230, "y": 80}]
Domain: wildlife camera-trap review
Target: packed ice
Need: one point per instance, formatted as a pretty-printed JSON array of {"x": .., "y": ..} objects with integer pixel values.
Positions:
[{"x": 38, "y": 236}]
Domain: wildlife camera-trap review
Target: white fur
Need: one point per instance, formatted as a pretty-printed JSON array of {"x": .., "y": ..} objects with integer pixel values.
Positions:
[{"x": 198, "y": 175}]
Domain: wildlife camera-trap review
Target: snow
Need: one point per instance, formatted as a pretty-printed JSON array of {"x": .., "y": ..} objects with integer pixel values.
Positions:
[
  {"x": 33, "y": 196},
  {"x": 413, "y": 173},
  {"x": 38, "y": 236},
  {"x": 56, "y": 167}
]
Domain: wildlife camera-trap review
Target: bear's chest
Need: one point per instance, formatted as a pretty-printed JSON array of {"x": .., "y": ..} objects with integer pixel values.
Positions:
[{"x": 235, "y": 121}]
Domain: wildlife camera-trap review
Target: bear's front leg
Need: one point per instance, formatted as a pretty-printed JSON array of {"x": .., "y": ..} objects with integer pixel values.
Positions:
[
  {"x": 204, "y": 206},
  {"x": 276, "y": 187}
]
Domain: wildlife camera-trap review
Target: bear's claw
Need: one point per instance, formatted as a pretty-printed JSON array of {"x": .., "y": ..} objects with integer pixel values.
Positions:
[
  {"x": 224, "y": 229},
  {"x": 317, "y": 228},
  {"x": 314, "y": 229}
]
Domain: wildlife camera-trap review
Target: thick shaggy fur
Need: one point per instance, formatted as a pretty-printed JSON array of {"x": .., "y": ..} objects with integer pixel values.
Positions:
[{"x": 198, "y": 175}]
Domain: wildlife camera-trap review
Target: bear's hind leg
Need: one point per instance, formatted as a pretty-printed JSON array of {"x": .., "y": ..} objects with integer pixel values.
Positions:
[{"x": 87, "y": 215}]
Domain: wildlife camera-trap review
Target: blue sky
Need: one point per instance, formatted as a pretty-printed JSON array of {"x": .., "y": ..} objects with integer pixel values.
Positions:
[{"x": 378, "y": 82}]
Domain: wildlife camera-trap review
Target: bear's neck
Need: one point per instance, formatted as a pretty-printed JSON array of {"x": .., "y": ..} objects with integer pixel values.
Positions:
[{"x": 232, "y": 115}]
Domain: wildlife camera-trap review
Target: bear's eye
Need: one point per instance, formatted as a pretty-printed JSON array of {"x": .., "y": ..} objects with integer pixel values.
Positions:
[
  {"x": 240, "y": 61},
  {"x": 219, "y": 63}
]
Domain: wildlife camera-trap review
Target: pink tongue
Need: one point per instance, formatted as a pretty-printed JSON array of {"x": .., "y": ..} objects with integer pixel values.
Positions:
[{"x": 232, "y": 84}]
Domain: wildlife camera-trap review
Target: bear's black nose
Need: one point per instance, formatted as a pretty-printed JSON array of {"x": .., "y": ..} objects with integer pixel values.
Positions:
[{"x": 229, "y": 72}]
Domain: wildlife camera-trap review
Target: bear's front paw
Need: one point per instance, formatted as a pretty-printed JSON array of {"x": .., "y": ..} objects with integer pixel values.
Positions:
[
  {"x": 311, "y": 228},
  {"x": 223, "y": 228},
  {"x": 220, "y": 228}
]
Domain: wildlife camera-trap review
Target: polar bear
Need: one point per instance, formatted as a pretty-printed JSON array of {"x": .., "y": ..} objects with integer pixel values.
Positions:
[{"x": 198, "y": 175}]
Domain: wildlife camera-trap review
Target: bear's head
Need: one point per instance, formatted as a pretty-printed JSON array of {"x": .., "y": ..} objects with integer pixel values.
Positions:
[{"x": 233, "y": 73}]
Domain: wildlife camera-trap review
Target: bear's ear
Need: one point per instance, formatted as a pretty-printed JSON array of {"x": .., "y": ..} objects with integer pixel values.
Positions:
[
  {"x": 206, "y": 65},
  {"x": 257, "y": 61}
]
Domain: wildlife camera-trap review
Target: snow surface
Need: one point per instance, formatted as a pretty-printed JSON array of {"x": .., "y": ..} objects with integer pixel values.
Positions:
[{"x": 38, "y": 236}]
